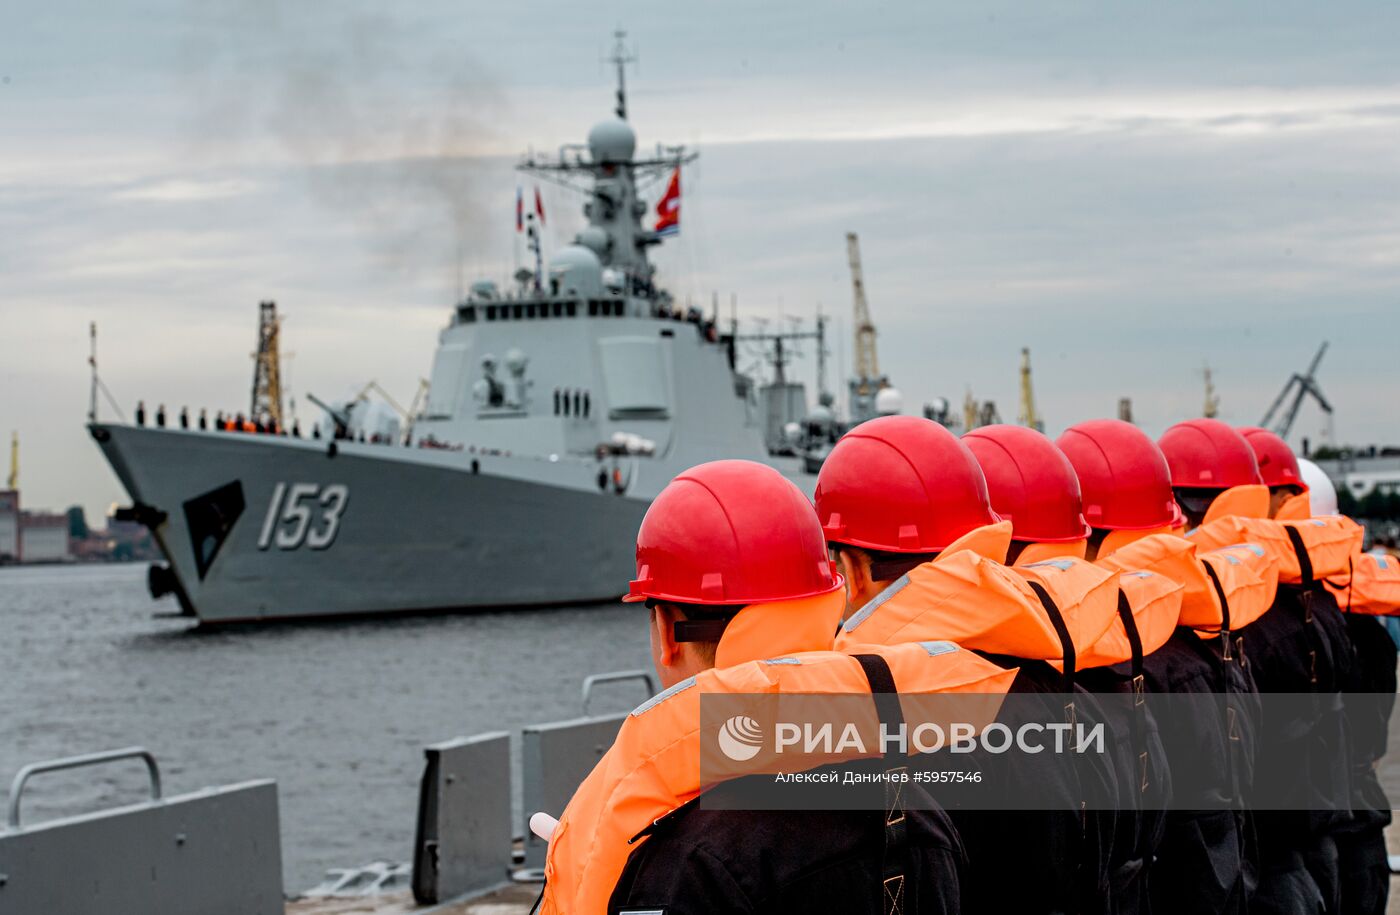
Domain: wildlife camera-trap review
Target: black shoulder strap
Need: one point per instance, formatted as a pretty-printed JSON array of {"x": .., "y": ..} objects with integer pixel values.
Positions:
[
  {"x": 1220, "y": 593},
  {"x": 1304, "y": 560},
  {"x": 1305, "y": 598},
  {"x": 1125, "y": 614},
  {"x": 895, "y": 863},
  {"x": 1138, "y": 726},
  {"x": 1057, "y": 620},
  {"x": 1228, "y": 711}
]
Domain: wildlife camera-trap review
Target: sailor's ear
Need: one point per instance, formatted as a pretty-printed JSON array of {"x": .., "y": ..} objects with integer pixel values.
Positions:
[
  {"x": 853, "y": 571},
  {"x": 663, "y": 634}
]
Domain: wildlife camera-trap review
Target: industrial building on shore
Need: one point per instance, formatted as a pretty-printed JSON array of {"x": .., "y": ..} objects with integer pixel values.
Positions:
[{"x": 27, "y": 536}]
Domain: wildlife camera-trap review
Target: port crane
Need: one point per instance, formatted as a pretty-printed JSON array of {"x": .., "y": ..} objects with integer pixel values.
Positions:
[
  {"x": 267, "y": 367},
  {"x": 979, "y": 413},
  {"x": 1211, "y": 408},
  {"x": 1029, "y": 417},
  {"x": 866, "y": 380},
  {"x": 1300, "y": 386}
]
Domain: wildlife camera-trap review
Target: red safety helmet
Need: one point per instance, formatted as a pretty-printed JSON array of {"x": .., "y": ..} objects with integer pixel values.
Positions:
[
  {"x": 1030, "y": 482},
  {"x": 901, "y": 484},
  {"x": 1123, "y": 477},
  {"x": 731, "y": 532},
  {"x": 1208, "y": 454},
  {"x": 1277, "y": 463}
]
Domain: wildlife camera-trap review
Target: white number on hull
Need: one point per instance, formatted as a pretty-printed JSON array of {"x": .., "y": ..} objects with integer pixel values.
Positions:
[{"x": 292, "y": 520}]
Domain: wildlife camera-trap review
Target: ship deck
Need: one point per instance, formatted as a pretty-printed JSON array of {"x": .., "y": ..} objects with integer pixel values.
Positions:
[{"x": 516, "y": 899}]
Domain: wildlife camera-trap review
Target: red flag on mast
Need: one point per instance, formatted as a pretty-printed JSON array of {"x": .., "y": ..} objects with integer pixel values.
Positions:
[
  {"x": 519, "y": 209},
  {"x": 539, "y": 206},
  {"x": 668, "y": 208}
]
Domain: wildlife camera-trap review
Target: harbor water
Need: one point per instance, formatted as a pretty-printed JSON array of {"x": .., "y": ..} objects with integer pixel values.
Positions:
[{"x": 337, "y": 712}]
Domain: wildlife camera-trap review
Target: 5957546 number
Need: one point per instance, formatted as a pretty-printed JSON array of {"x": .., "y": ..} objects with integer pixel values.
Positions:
[{"x": 303, "y": 513}]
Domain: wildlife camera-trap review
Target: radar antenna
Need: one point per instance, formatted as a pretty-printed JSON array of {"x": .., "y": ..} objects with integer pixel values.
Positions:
[{"x": 1301, "y": 386}]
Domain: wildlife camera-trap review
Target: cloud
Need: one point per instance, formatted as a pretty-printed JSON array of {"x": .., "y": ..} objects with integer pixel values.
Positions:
[{"x": 180, "y": 190}]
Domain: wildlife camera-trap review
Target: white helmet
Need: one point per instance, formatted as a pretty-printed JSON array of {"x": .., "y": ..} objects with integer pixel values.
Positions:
[{"x": 1321, "y": 493}]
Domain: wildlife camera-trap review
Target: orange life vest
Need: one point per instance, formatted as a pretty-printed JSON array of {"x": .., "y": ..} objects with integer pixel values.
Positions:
[
  {"x": 1247, "y": 573},
  {"x": 654, "y": 766},
  {"x": 967, "y": 596},
  {"x": 1155, "y": 603},
  {"x": 1372, "y": 587},
  {"x": 1329, "y": 540},
  {"x": 1153, "y": 600}
]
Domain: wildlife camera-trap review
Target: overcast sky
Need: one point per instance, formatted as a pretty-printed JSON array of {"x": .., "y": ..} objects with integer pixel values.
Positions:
[{"x": 1130, "y": 190}]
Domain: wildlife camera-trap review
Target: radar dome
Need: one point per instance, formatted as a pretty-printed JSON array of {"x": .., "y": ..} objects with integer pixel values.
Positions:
[
  {"x": 612, "y": 141},
  {"x": 595, "y": 239},
  {"x": 889, "y": 402},
  {"x": 576, "y": 271},
  {"x": 516, "y": 361}
]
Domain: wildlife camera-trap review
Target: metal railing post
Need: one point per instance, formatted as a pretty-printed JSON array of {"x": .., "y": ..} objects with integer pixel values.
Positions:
[
  {"x": 618, "y": 675},
  {"x": 78, "y": 762}
]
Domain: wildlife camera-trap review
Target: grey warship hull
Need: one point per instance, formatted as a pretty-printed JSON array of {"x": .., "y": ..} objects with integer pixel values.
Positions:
[{"x": 418, "y": 531}]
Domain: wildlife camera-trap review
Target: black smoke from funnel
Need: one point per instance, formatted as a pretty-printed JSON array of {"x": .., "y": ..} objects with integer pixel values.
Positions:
[{"x": 388, "y": 118}]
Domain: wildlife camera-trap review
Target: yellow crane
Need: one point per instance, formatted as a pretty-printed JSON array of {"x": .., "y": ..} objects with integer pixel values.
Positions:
[
  {"x": 1029, "y": 417},
  {"x": 267, "y": 366}
]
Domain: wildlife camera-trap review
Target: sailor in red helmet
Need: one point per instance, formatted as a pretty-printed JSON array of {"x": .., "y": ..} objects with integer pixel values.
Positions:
[
  {"x": 1033, "y": 485},
  {"x": 1278, "y": 468},
  {"x": 1299, "y": 665},
  {"x": 1369, "y": 688},
  {"x": 742, "y": 598},
  {"x": 905, "y": 509},
  {"x": 1203, "y": 863}
]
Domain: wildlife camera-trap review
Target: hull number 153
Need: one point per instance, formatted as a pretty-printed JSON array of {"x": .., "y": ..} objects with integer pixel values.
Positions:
[{"x": 303, "y": 514}]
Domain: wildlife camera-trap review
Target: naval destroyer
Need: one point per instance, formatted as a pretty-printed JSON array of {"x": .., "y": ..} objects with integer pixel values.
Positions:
[{"x": 556, "y": 411}]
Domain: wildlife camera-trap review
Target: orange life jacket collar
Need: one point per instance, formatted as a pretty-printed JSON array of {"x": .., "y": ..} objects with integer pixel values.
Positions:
[
  {"x": 1295, "y": 508},
  {"x": 781, "y": 627},
  {"x": 1039, "y": 552},
  {"x": 1249, "y": 501},
  {"x": 967, "y": 597}
]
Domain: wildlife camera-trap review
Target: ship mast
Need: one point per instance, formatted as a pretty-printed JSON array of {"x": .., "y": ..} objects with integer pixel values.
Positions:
[
  {"x": 621, "y": 58},
  {"x": 612, "y": 177}
]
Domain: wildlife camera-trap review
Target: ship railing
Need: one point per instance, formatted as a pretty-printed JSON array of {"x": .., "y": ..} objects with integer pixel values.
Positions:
[
  {"x": 78, "y": 762},
  {"x": 468, "y": 841},
  {"x": 217, "y": 850}
]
